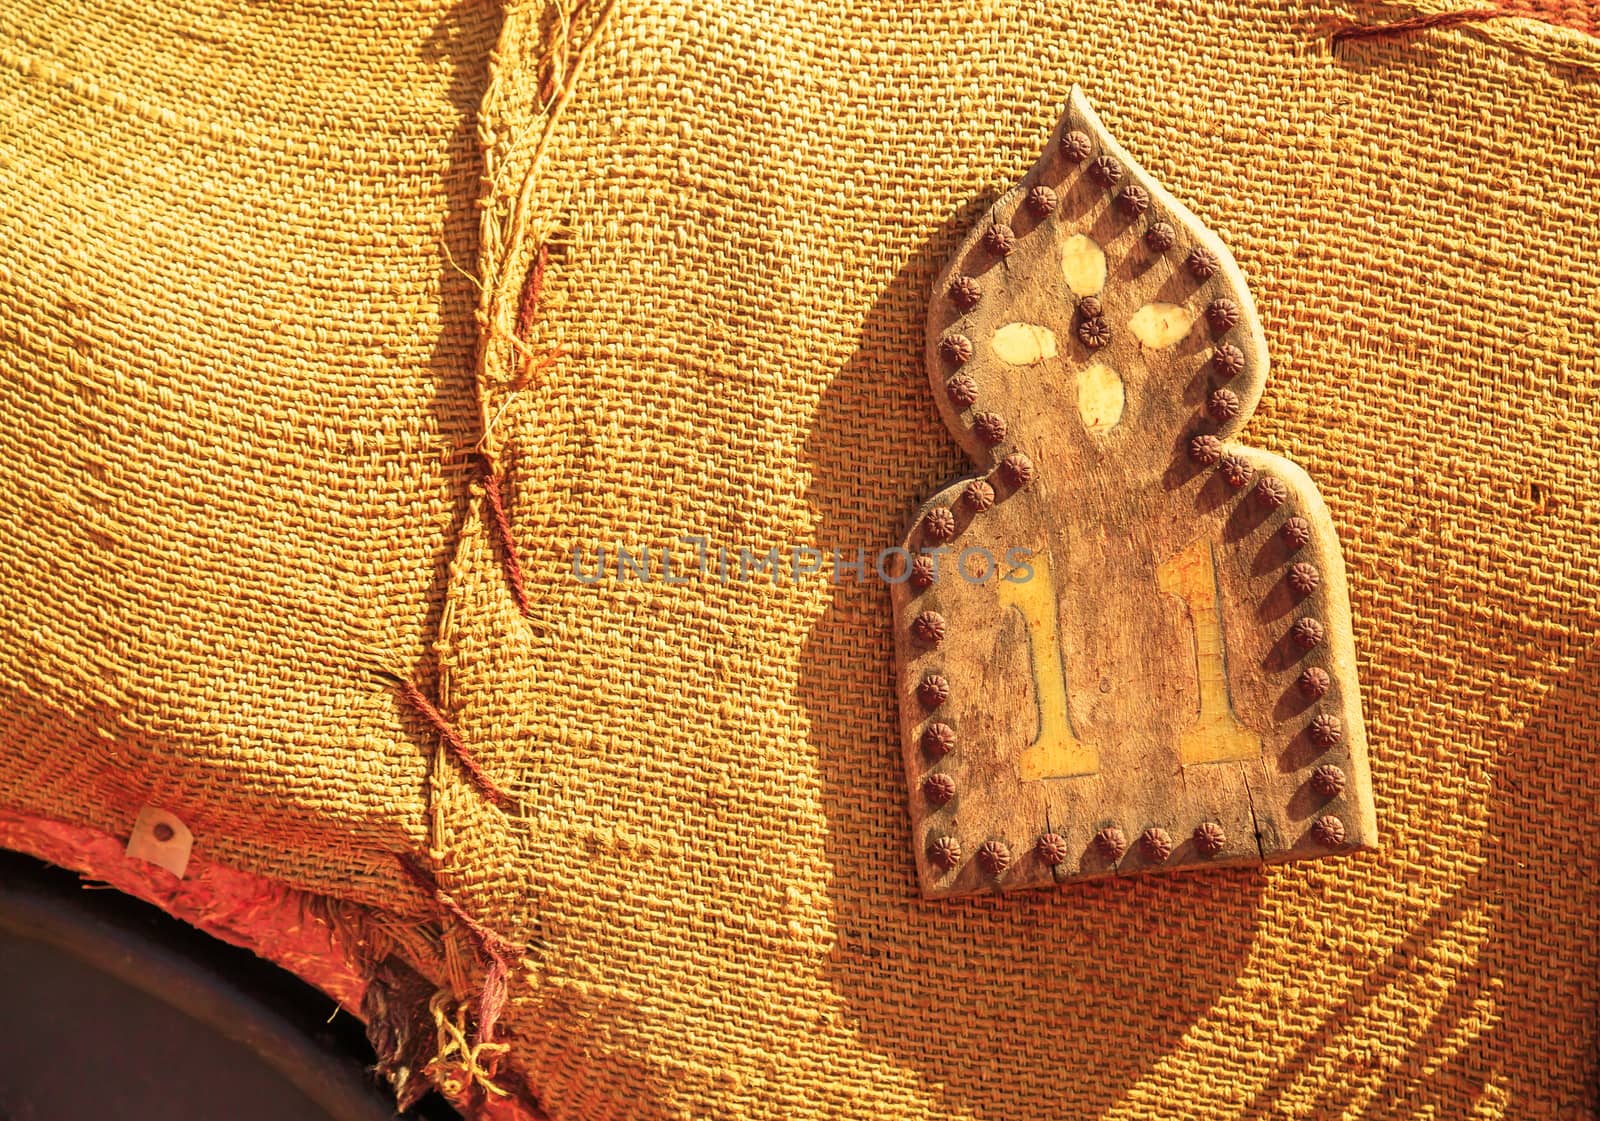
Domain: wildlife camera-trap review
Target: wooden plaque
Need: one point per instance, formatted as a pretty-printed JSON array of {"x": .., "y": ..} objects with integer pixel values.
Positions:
[{"x": 1125, "y": 644}]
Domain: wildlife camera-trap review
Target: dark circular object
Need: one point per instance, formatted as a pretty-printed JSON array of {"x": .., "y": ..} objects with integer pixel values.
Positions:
[
  {"x": 922, "y": 573},
  {"x": 937, "y": 739},
  {"x": 994, "y": 857},
  {"x": 1156, "y": 843},
  {"x": 999, "y": 239},
  {"x": 1236, "y": 471},
  {"x": 933, "y": 690},
  {"x": 1161, "y": 236},
  {"x": 1227, "y": 360},
  {"x": 1327, "y": 781},
  {"x": 939, "y": 788},
  {"x": 117, "y": 1010},
  {"x": 1272, "y": 492},
  {"x": 1209, "y": 838},
  {"x": 1326, "y": 731},
  {"x": 1222, "y": 314},
  {"x": 1205, "y": 450},
  {"x": 1094, "y": 333},
  {"x": 1105, "y": 171},
  {"x": 1090, "y": 307},
  {"x": 1313, "y": 683},
  {"x": 965, "y": 292},
  {"x": 1304, "y": 578},
  {"x": 1223, "y": 404},
  {"x": 1202, "y": 263},
  {"x": 929, "y": 627},
  {"x": 945, "y": 852},
  {"x": 955, "y": 349},
  {"x": 1076, "y": 145},
  {"x": 978, "y": 496},
  {"x": 939, "y": 524},
  {"x": 1329, "y": 831},
  {"x": 1296, "y": 531},
  {"x": 990, "y": 427},
  {"x": 1052, "y": 849},
  {"x": 1308, "y": 633},
  {"x": 962, "y": 390},
  {"x": 1133, "y": 200},
  {"x": 1111, "y": 842},
  {"x": 1042, "y": 201},
  {"x": 1017, "y": 469}
]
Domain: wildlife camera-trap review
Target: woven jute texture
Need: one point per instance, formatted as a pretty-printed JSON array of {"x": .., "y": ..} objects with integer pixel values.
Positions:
[
  {"x": 242, "y": 361},
  {"x": 233, "y": 348}
]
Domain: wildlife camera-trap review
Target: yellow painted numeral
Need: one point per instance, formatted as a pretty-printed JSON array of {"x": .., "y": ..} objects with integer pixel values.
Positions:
[
  {"x": 1216, "y": 735},
  {"x": 1056, "y": 750}
]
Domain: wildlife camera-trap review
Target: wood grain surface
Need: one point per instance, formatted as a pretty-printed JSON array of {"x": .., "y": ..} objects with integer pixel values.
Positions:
[{"x": 1132, "y": 648}]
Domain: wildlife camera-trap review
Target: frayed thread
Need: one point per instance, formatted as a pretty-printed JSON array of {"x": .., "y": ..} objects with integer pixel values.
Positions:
[
  {"x": 491, "y": 947},
  {"x": 460, "y": 1061}
]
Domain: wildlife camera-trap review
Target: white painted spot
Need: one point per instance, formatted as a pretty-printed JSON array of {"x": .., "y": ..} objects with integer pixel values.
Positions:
[
  {"x": 1159, "y": 326},
  {"x": 1023, "y": 344},
  {"x": 1083, "y": 264},
  {"x": 1100, "y": 398}
]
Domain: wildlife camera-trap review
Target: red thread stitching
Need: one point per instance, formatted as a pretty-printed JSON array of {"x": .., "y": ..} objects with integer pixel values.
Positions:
[
  {"x": 452, "y": 743},
  {"x": 500, "y": 528},
  {"x": 532, "y": 285},
  {"x": 528, "y": 304},
  {"x": 1416, "y": 23}
]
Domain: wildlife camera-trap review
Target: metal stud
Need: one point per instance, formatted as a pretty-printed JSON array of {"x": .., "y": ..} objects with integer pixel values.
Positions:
[
  {"x": 994, "y": 856},
  {"x": 929, "y": 627},
  {"x": 978, "y": 496},
  {"x": 1326, "y": 731},
  {"x": 1327, "y": 781},
  {"x": 1209, "y": 838},
  {"x": 1157, "y": 844},
  {"x": 1304, "y": 578},
  {"x": 945, "y": 852},
  {"x": 1328, "y": 831},
  {"x": 937, "y": 739},
  {"x": 933, "y": 690},
  {"x": 1205, "y": 450},
  {"x": 939, "y": 524},
  {"x": 1308, "y": 633},
  {"x": 1017, "y": 469},
  {"x": 1052, "y": 849},
  {"x": 1042, "y": 201},
  {"x": 1111, "y": 842},
  {"x": 955, "y": 349}
]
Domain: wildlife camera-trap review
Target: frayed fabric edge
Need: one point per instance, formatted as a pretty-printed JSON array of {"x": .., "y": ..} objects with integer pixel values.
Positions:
[{"x": 415, "y": 1023}]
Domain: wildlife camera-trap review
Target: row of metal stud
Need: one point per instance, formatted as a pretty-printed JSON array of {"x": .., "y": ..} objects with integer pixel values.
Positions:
[{"x": 1222, "y": 404}]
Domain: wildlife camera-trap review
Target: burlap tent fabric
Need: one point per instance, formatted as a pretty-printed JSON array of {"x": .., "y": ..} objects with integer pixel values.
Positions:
[{"x": 247, "y": 407}]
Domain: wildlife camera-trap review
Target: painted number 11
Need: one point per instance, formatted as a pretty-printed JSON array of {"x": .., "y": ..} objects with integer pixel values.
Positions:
[{"x": 1214, "y": 734}]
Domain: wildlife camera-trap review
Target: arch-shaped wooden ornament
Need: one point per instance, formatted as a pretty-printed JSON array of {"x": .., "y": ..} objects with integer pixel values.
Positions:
[{"x": 1125, "y": 644}]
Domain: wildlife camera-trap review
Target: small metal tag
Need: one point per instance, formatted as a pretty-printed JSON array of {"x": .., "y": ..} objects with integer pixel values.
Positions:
[{"x": 162, "y": 839}]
